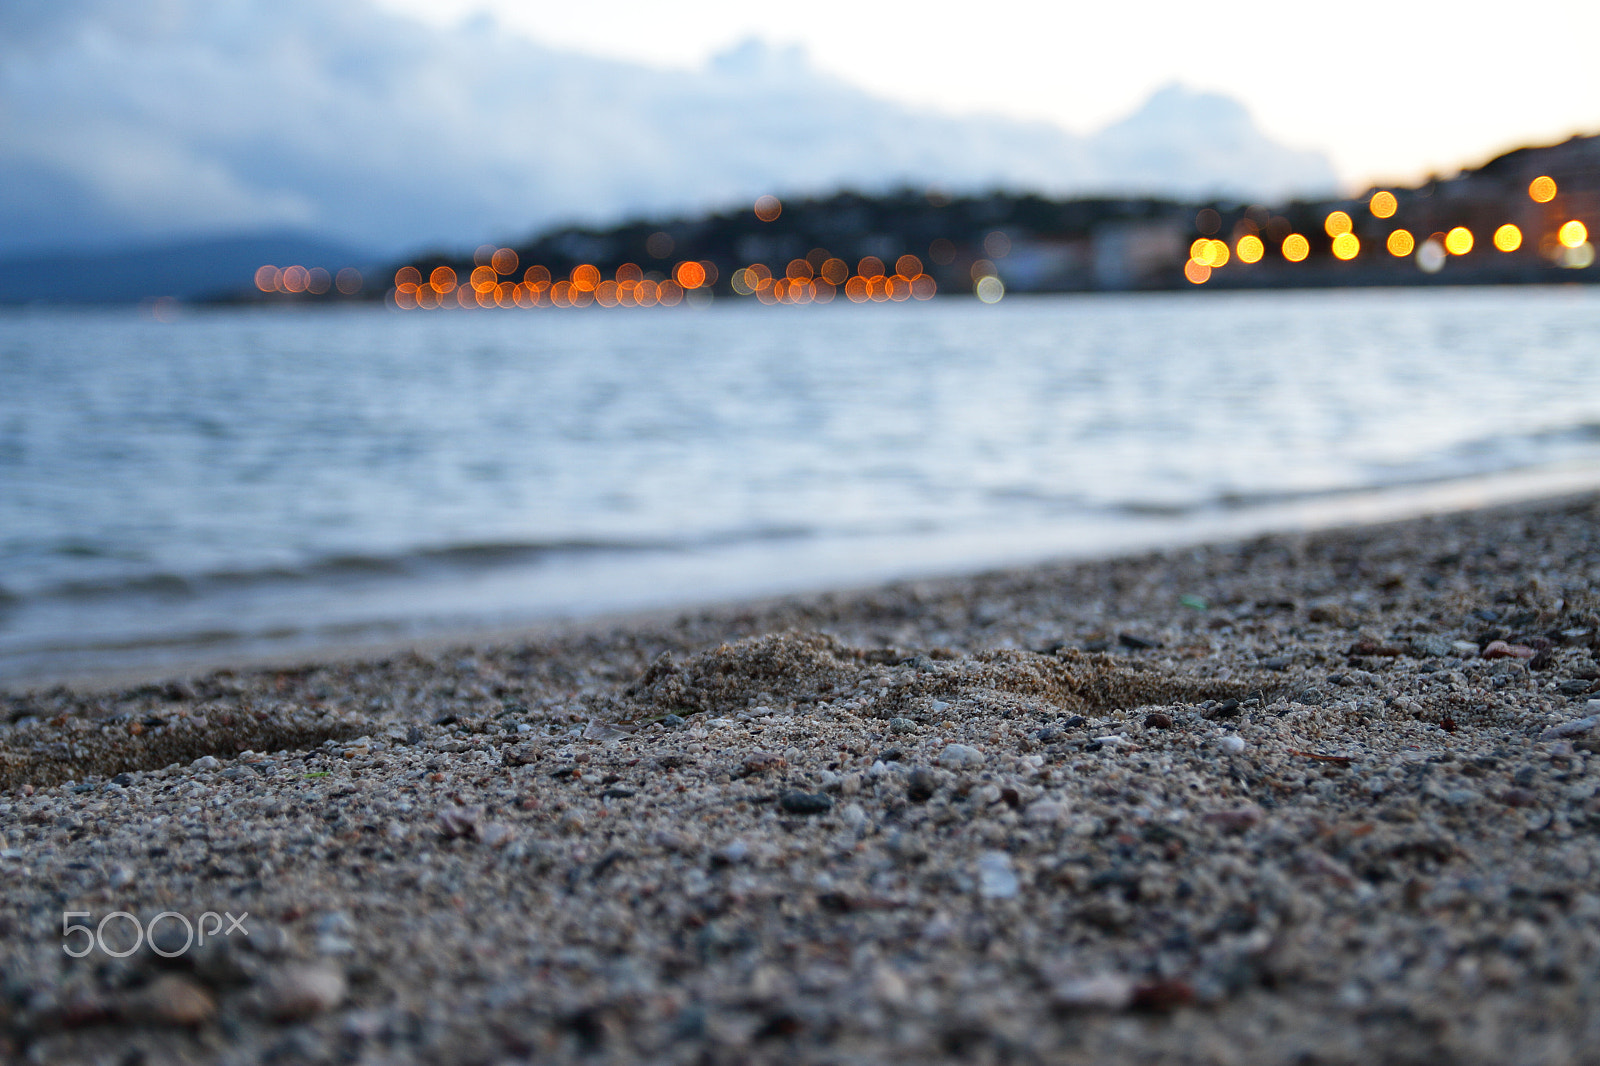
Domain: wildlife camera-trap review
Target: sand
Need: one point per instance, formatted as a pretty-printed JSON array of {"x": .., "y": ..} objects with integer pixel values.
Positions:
[{"x": 1325, "y": 798}]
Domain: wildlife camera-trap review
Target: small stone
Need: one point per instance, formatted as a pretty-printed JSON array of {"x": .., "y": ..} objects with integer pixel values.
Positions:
[
  {"x": 1158, "y": 720},
  {"x": 1571, "y": 729},
  {"x": 496, "y": 834},
  {"x": 672, "y": 721},
  {"x": 171, "y": 1000},
  {"x": 805, "y": 802},
  {"x": 960, "y": 757},
  {"x": 1431, "y": 646},
  {"x": 902, "y": 725},
  {"x": 760, "y": 762},
  {"x": 1225, "y": 709},
  {"x": 1236, "y": 820},
  {"x": 1046, "y": 812},
  {"x": 456, "y": 821},
  {"x": 205, "y": 762},
  {"x": 996, "y": 877},
  {"x": 1466, "y": 649},
  {"x": 1105, "y": 991},
  {"x": 1499, "y": 649},
  {"x": 1231, "y": 744},
  {"x": 295, "y": 993},
  {"x": 921, "y": 784}
]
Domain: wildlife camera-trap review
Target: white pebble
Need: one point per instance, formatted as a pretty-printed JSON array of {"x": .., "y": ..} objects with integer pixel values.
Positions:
[
  {"x": 1231, "y": 744},
  {"x": 996, "y": 878},
  {"x": 960, "y": 757}
]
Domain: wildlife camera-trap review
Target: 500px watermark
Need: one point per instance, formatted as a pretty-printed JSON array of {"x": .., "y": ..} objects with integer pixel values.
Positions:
[{"x": 194, "y": 933}]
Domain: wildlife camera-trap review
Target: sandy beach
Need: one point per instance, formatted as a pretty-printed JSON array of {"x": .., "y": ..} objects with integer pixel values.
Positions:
[{"x": 1314, "y": 798}]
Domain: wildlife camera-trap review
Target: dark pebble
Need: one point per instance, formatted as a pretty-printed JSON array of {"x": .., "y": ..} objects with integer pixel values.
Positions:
[
  {"x": 1075, "y": 721},
  {"x": 921, "y": 784},
  {"x": 1137, "y": 643},
  {"x": 805, "y": 803},
  {"x": 1226, "y": 709},
  {"x": 1158, "y": 720}
]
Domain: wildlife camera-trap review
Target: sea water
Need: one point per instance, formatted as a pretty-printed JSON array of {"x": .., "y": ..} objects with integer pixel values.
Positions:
[{"x": 236, "y": 482}]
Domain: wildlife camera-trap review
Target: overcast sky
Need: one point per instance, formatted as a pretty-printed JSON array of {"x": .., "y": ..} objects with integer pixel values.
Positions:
[{"x": 1390, "y": 90}]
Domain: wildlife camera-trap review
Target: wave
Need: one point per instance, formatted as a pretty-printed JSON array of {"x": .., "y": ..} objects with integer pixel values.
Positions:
[{"x": 427, "y": 561}]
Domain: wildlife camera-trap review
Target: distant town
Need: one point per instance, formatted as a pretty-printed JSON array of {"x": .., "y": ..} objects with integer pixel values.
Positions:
[{"x": 1528, "y": 216}]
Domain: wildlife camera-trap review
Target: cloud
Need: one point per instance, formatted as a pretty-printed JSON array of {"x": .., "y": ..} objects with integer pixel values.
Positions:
[{"x": 204, "y": 116}]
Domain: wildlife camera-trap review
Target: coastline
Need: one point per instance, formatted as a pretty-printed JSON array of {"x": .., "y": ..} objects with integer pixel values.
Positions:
[{"x": 1247, "y": 801}]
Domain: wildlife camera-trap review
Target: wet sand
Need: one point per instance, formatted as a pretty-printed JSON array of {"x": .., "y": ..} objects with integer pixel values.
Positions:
[{"x": 1323, "y": 798}]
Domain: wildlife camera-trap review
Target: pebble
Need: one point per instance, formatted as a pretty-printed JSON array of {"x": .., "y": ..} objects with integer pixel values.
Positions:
[
  {"x": 298, "y": 992},
  {"x": 1571, "y": 729},
  {"x": 171, "y": 1000},
  {"x": 1046, "y": 812},
  {"x": 206, "y": 762},
  {"x": 805, "y": 802},
  {"x": 996, "y": 877},
  {"x": 902, "y": 725},
  {"x": 1158, "y": 720},
  {"x": 1231, "y": 744},
  {"x": 960, "y": 757}
]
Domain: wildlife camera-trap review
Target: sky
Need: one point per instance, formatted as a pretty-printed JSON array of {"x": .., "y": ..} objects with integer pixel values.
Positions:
[{"x": 1390, "y": 90}]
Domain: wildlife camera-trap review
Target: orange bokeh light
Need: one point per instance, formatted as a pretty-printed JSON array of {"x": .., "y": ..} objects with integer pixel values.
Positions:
[
  {"x": 1401, "y": 243},
  {"x": 585, "y": 276},
  {"x": 1296, "y": 248},
  {"x": 1508, "y": 238},
  {"x": 407, "y": 275},
  {"x": 1196, "y": 272},
  {"x": 822, "y": 290},
  {"x": 923, "y": 287},
  {"x": 1383, "y": 205},
  {"x": 1346, "y": 246},
  {"x": 768, "y": 208},
  {"x": 294, "y": 279},
  {"x": 1458, "y": 241},
  {"x": 870, "y": 267},
  {"x": 443, "y": 279},
  {"x": 1250, "y": 249},
  {"x": 798, "y": 268},
  {"x": 1572, "y": 234},
  {"x": 908, "y": 266},
  {"x": 836, "y": 271},
  {"x": 267, "y": 278},
  {"x": 504, "y": 261},
  {"x": 1542, "y": 189},
  {"x": 483, "y": 278},
  {"x": 856, "y": 289},
  {"x": 1336, "y": 223},
  {"x": 536, "y": 277},
  {"x": 690, "y": 275},
  {"x": 630, "y": 272}
]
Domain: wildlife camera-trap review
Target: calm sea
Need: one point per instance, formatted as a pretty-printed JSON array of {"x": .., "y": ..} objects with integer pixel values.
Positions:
[{"x": 242, "y": 482}]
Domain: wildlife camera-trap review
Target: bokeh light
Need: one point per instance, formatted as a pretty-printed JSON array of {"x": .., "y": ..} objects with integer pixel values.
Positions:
[
  {"x": 1196, "y": 272},
  {"x": 836, "y": 271},
  {"x": 1542, "y": 189},
  {"x": 982, "y": 268},
  {"x": 1250, "y": 249},
  {"x": 1458, "y": 241},
  {"x": 407, "y": 277},
  {"x": 1431, "y": 256},
  {"x": 660, "y": 245},
  {"x": 294, "y": 279},
  {"x": 1296, "y": 248},
  {"x": 504, "y": 261},
  {"x": 1572, "y": 234},
  {"x": 1207, "y": 221},
  {"x": 690, "y": 275},
  {"x": 908, "y": 266},
  {"x": 1336, "y": 223},
  {"x": 267, "y": 278},
  {"x": 1383, "y": 204},
  {"x": 799, "y": 268},
  {"x": 536, "y": 277},
  {"x": 585, "y": 277},
  {"x": 997, "y": 245},
  {"x": 483, "y": 255},
  {"x": 443, "y": 279},
  {"x": 483, "y": 278},
  {"x": 768, "y": 208},
  {"x": 990, "y": 289},
  {"x": 1508, "y": 238},
  {"x": 1401, "y": 243},
  {"x": 348, "y": 281},
  {"x": 870, "y": 267},
  {"x": 1346, "y": 246},
  {"x": 923, "y": 287},
  {"x": 318, "y": 281}
]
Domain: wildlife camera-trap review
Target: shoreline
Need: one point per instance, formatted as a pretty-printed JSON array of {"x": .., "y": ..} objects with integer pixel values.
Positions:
[
  {"x": 1338, "y": 512},
  {"x": 1310, "y": 796}
]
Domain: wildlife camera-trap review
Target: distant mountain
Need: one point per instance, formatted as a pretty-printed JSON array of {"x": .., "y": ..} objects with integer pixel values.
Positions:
[
  {"x": 128, "y": 121},
  {"x": 187, "y": 270}
]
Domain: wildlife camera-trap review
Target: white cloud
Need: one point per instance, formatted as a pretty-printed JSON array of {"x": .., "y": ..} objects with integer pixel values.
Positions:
[{"x": 212, "y": 115}]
